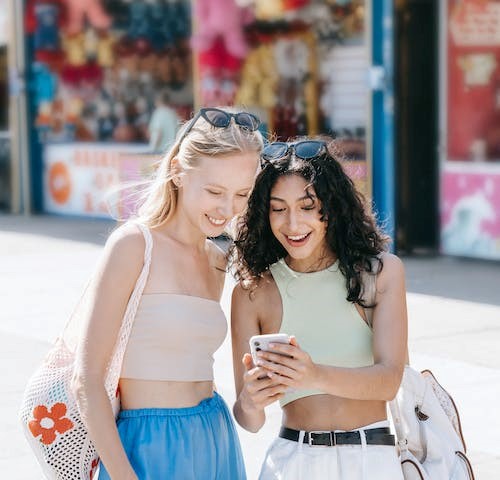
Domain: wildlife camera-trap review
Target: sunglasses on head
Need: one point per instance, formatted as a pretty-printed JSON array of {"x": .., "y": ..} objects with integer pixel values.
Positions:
[
  {"x": 305, "y": 150},
  {"x": 221, "y": 119}
]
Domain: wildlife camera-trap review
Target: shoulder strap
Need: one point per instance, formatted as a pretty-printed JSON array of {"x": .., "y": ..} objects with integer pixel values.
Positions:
[
  {"x": 369, "y": 286},
  {"x": 114, "y": 368},
  {"x": 397, "y": 421}
]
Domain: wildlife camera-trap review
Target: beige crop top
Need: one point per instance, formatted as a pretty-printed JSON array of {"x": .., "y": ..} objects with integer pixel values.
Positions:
[{"x": 174, "y": 337}]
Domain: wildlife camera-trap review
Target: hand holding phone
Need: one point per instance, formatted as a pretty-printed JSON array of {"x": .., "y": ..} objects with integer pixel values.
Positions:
[{"x": 261, "y": 343}]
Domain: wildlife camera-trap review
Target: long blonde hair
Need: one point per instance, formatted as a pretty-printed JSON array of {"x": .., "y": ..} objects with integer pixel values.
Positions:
[{"x": 202, "y": 140}]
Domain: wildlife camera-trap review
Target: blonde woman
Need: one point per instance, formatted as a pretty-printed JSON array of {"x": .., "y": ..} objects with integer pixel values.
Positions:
[{"x": 172, "y": 423}]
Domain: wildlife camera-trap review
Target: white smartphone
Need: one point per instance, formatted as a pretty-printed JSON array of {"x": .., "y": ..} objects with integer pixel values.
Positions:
[{"x": 261, "y": 342}]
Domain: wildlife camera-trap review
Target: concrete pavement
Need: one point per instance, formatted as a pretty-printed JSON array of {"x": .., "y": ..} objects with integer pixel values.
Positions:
[{"x": 454, "y": 311}]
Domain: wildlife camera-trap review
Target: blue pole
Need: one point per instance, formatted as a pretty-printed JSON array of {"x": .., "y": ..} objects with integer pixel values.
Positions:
[{"x": 383, "y": 169}]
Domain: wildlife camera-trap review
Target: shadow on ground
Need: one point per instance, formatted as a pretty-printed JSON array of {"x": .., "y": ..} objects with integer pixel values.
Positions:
[
  {"x": 87, "y": 230},
  {"x": 458, "y": 278}
]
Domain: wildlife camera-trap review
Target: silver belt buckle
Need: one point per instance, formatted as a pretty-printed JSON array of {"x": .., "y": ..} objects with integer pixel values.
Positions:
[{"x": 315, "y": 432}]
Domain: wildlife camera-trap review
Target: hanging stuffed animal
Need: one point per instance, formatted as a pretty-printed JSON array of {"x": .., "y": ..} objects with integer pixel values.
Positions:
[
  {"x": 218, "y": 71},
  {"x": 105, "y": 45},
  {"x": 46, "y": 34},
  {"x": 259, "y": 79},
  {"x": 160, "y": 32},
  {"x": 179, "y": 18},
  {"x": 291, "y": 5},
  {"x": 74, "y": 47},
  {"x": 266, "y": 10},
  {"x": 91, "y": 43},
  {"x": 44, "y": 84},
  {"x": 220, "y": 19},
  {"x": 139, "y": 24},
  {"x": 92, "y": 10}
]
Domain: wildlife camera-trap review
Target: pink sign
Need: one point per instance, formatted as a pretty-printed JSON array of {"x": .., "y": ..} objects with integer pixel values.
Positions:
[{"x": 470, "y": 214}]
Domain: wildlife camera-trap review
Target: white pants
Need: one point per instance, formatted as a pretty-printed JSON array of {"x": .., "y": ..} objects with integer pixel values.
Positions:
[{"x": 289, "y": 460}]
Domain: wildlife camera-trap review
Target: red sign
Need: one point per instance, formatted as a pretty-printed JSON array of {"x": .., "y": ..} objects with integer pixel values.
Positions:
[{"x": 473, "y": 80}]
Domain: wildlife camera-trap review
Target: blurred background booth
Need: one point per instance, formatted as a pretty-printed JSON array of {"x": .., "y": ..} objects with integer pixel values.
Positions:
[{"x": 408, "y": 88}]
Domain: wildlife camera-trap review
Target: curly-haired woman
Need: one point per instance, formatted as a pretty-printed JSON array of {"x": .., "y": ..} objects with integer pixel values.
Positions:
[{"x": 307, "y": 252}]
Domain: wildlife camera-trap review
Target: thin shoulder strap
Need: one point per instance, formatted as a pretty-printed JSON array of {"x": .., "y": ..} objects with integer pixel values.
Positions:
[{"x": 129, "y": 316}]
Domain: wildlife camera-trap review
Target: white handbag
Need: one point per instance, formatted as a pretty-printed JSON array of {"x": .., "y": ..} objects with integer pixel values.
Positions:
[
  {"x": 426, "y": 420},
  {"x": 49, "y": 414},
  {"x": 428, "y": 430}
]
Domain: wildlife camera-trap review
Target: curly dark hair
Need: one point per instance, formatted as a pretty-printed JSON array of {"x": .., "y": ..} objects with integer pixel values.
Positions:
[{"x": 352, "y": 233}]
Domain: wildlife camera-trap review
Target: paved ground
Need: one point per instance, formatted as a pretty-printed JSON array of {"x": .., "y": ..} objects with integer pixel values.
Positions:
[{"x": 454, "y": 309}]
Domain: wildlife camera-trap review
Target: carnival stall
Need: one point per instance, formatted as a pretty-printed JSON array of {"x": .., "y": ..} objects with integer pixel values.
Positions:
[{"x": 470, "y": 158}]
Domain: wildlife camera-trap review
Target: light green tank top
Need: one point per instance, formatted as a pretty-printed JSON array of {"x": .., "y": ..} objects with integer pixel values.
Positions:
[{"x": 327, "y": 326}]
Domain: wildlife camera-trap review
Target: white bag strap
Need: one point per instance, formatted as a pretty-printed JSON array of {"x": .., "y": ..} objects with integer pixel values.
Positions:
[
  {"x": 369, "y": 280},
  {"x": 398, "y": 424},
  {"x": 115, "y": 366}
]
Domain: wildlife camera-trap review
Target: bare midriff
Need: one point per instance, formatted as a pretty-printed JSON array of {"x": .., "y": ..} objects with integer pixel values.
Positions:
[
  {"x": 135, "y": 394},
  {"x": 327, "y": 412}
]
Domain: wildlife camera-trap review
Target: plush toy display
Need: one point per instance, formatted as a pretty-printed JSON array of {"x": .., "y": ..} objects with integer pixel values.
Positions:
[
  {"x": 79, "y": 10},
  {"x": 221, "y": 19}
]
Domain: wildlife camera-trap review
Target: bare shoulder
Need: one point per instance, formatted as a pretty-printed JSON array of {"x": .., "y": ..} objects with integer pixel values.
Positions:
[
  {"x": 393, "y": 270},
  {"x": 124, "y": 250},
  {"x": 218, "y": 256},
  {"x": 261, "y": 301}
]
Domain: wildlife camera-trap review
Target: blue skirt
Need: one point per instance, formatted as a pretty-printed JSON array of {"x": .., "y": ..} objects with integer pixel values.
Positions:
[{"x": 181, "y": 443}]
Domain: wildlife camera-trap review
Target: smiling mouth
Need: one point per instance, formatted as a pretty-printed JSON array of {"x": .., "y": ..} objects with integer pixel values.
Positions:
[
  {"x": 215, "y": 221},
  {"x": 297, "y": 240}
]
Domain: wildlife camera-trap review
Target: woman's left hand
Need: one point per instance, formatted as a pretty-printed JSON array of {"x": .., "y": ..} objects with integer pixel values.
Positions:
[{"x": 290, "y": 365}]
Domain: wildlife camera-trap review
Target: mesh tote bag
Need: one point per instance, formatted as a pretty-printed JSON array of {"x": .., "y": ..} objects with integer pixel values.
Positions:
[{"x": 49, "y": 414}]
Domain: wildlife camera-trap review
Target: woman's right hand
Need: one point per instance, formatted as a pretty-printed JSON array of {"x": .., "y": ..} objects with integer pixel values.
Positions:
[{"x": 258, "y": 390}]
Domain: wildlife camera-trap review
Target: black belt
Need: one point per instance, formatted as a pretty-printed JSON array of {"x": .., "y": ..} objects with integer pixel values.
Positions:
[{"x": 374, "y": 436}]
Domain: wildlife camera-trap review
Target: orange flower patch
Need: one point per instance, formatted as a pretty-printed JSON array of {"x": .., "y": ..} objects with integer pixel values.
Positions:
[{"x": 49, "y": 422}]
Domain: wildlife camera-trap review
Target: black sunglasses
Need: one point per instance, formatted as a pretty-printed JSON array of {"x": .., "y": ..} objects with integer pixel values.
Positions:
[
  {"x": 305, "y": 150},
  {"x": 221, "y": 119}
]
